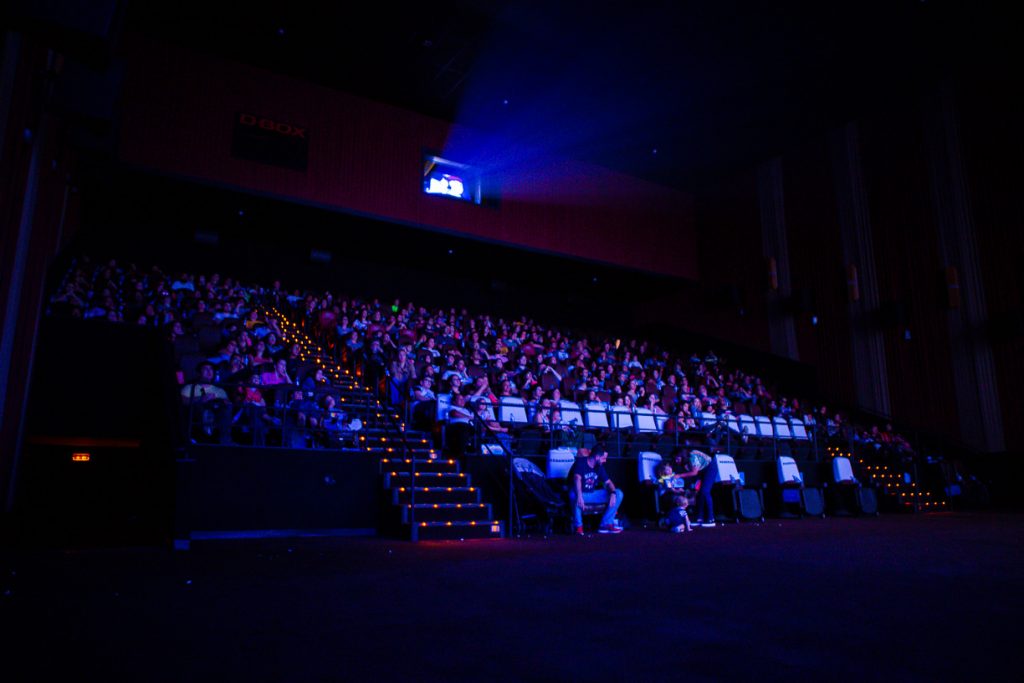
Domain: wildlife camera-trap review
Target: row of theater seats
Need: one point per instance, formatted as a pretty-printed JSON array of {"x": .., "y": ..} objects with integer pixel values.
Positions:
[
  {"x": 513, "y": 412},
  {"x": 790, "y": 496}
]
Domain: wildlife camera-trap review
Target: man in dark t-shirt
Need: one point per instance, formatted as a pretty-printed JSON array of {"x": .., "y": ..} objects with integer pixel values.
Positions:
[{"x": 590, "y": 483}]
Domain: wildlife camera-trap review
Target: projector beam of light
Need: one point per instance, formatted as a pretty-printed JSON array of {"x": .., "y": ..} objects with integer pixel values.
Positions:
[{"x": 570, "y": 107}]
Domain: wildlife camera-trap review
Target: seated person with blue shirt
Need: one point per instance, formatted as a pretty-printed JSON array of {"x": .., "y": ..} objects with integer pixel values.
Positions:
[{"x": 585, "y": 476}]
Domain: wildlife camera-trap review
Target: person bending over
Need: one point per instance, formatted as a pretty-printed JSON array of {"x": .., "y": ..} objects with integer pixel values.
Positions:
[{"x": 698, "y": 464}]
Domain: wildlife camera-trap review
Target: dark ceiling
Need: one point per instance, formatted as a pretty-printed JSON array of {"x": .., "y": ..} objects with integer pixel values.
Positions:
[{"x": 664, "y": 90}]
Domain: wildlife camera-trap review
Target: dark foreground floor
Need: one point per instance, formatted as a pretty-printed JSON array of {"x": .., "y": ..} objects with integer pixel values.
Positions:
[{"x": 934, "y": 597}]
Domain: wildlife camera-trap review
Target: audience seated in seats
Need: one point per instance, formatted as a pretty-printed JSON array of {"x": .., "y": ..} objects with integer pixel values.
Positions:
[
  {"x": 314, "y": 380},
  {"x": 654, "y": 404},
  {"x": 278, "y": 376},
  {"x": 493, "y": 430},
  {"x": 293, "y": 358},
  {"x": 451, "y": 341},
  {"x": 252, "y": 413},
  {"x": 402, "y": 370},
  {"x": 560, "y": 431},
  {"x": 208, "y": 405},
  {"x": 235, "y": 371},
  {"x": 335, "y": 424},
  {"x": 424, "y": 402},
  {"x": 481, "y": 389},
  {"x": 460, "y": 424},
  {"x": 375, "y": 361}
]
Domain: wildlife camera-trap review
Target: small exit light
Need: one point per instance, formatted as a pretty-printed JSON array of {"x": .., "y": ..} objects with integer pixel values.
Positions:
[{"x": 80, "y": 457}]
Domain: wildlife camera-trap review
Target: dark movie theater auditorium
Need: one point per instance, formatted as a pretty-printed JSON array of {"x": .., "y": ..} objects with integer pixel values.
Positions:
[{"x": 511, "y": 340}]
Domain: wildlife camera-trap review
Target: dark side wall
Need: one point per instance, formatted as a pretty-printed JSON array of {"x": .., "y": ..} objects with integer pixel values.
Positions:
[{"x": 899, "y": 168}]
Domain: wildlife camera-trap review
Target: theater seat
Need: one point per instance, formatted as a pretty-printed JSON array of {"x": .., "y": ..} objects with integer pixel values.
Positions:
[
  {"x": 512, "y": 411},
  {"x": 796, "y": 499},
  {"x": 595, "y": 416},
  {"x": 559, "y": 462},
  {"x": 764, "y": 427},
  {"x": 748, "y": 427},
  {"x": 444, "y": 404},
  {"x": 798, "y": 429},
  {"x": 647, "y": 464},
  {"x": 644, "y": 421},
  {"x": 846, "y": 497},
  {"x": 745, "y": 503},
  {"x": 622, "y": 418},
  {"x": 571, "y": 413}
]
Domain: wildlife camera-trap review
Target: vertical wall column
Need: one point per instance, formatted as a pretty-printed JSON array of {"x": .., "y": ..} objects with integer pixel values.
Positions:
[
  {"x": 974, "y": 372},
  {"x": 868, "y": 345},
  {"x": 781, "y": 328},
  {"x": 34, "y": 198}
]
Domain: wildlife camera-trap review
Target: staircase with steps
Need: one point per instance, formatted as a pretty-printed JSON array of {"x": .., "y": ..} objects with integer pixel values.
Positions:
[
  {"x": 425, "y": 497},
  {"x": 447, "y": 505}
]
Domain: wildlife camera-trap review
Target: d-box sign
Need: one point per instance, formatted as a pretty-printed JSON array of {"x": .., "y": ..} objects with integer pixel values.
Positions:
[
  {"x": 269, "y": 141},
  {"x": 285, "y": 129}
]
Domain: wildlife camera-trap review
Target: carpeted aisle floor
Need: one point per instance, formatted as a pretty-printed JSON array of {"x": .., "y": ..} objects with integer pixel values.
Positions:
[{"x": 929, "y": 597}]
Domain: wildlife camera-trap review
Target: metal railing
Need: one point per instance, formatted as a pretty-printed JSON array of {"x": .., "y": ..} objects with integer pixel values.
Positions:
[{"x": 481, "y": 428}]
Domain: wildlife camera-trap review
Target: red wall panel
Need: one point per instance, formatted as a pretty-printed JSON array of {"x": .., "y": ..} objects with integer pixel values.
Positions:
[{"x": 365, "y": 157}]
